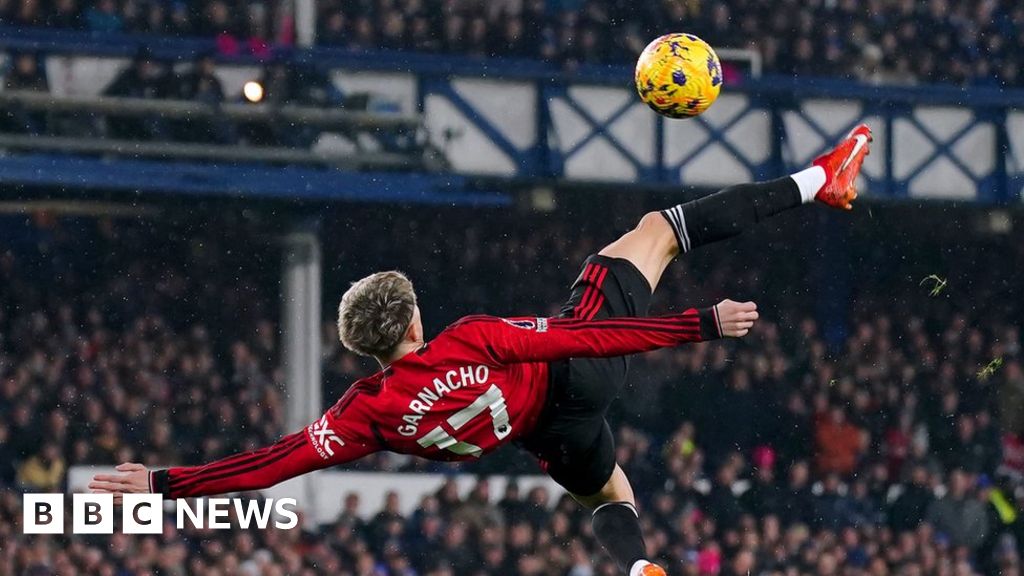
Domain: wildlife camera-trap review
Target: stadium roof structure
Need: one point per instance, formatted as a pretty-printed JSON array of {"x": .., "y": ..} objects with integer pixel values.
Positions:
[{"x": 532, "y": 122}]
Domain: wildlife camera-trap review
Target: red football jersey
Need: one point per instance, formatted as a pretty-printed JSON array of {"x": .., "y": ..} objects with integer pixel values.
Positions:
[{"x": 480, "y": 384}]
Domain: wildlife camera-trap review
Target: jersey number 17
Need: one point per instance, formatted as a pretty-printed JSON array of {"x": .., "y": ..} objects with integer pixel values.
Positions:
[{"x": 493, "y": 400}]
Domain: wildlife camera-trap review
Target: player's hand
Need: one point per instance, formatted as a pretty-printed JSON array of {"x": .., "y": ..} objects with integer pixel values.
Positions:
[
  {"x": 736, "y": 318},
  {"x": 134, "y": 479}
]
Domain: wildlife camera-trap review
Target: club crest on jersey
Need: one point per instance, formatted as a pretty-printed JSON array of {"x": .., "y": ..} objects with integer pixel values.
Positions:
[
  {"x": 321, "y": 435},
  {"x": 540, "y": 325}
]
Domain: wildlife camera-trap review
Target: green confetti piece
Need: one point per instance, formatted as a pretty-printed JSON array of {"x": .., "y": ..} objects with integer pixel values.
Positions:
[
  {"x": 938, "y": 284},
  {"x": 990, "y": 369}
]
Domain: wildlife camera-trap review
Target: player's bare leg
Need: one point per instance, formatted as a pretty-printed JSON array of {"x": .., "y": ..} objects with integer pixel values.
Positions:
[
  {"x": 650, "y": 247},
  {"x": 617, "y": 489},
  {"x": 660, "y": 236}
]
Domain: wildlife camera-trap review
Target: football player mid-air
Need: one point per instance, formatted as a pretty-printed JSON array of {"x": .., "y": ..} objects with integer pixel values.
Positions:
[{"x": 542, "y": 383}]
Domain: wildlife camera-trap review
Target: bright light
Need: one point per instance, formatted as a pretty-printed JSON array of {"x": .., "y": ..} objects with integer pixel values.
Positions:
[{"x": 253, "y": 91}]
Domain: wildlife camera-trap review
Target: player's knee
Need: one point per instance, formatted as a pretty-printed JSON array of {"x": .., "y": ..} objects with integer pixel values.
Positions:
[
  {"x": 616, "y": 489},
  {"x": 652, "y": 221},
  {"x": 655, "y": 229}
]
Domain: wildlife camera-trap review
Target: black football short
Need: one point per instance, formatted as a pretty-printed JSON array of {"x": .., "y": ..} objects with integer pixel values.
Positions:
[{"x": 573, "y": 440}]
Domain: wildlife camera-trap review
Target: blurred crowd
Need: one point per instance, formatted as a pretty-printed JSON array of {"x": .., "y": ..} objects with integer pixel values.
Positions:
[
  {"x": 889, "y": 447},
  {"x": 828, "y": 531},
  {"x": 240, "y": 26},
  {"x": 112, "y": 348},
  {"x": 886, "y": 41},
  {"x": 880, "y": 41}
]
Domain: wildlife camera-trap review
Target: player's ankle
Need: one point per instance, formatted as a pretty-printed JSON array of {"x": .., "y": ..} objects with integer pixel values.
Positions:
[
  {"x": 638, "y": 567},
  {"x": 810, "y": 182}
]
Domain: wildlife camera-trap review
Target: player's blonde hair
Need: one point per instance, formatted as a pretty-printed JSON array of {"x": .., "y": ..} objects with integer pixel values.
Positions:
[{"x": 375, "y": 313}]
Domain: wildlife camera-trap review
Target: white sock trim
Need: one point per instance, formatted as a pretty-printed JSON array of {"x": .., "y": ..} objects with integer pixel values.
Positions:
[
  {"x": 637, "y": 567},
  {"x": 678, "y": 223},
  {"x": 809, "y": 181},
  {"x": 626, "y": 504}
]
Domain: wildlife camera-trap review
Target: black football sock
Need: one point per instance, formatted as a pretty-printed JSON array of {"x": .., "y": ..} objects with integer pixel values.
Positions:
[
  {"x": 617, "y": 527},
  {"x": 729, "y": 212}
]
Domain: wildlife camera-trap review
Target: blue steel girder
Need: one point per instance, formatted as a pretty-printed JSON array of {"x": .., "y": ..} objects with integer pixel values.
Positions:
[
  {"x": 1000, "y": 186},
  {"x": 1015, "y": 185},
  {"x": 526, "y": 160},
  {"x": 942, "y": 148},
  {"x": 601, "y": 130},
  {"x": 717, "y": 135},
  {"x": 550, "y": 165}
]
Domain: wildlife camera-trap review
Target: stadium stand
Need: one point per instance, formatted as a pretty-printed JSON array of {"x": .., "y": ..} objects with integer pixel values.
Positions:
[
  {"x": 880, "y": 41},
  {"x": 880, "y": 449}
]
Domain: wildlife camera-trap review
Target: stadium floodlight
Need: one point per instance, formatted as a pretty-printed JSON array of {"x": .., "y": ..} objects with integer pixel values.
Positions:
[{"x": 253, "y": 91}]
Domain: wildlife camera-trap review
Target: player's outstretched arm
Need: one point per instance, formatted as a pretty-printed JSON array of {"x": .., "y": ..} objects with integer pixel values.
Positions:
[
  {"x": 548, "y": 339},
  {"x": 327, "y": 442}
]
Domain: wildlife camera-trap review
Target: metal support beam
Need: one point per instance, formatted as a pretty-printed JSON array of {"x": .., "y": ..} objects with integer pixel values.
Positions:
[
  {"x": 213, "y": 152},
  {"x": 301, "y": 316},
  {"x": 265, "y": 113},
  {"x": 380, "y": 141},
  {"x": 301, "y": 337},
  {"x": 305, "y": 22}
]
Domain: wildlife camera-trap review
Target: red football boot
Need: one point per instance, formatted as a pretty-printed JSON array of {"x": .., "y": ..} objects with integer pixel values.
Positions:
[
  {"x": 652, "y": 570},
  {"x": 842, "y": 165}
]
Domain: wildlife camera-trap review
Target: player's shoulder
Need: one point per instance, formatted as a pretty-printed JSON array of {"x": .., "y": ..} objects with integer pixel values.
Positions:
[
  {"x": 466, "y": 324},
  {"x": 465, "y": 336},
  {"x": 470, "y": 320},
  {"x": 485, "y": 321},
  {"x": 362, "y": 389}
]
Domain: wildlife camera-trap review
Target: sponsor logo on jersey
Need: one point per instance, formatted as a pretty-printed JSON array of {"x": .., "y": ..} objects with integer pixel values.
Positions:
[
  {"x": 524, "y": 324},
  {"x": 538, "y": 324},
  {"x": 321, "y": 435}
]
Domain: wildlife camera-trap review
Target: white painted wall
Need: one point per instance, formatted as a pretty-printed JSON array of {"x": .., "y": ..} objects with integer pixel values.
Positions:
[{"x": 330, "y": 488}]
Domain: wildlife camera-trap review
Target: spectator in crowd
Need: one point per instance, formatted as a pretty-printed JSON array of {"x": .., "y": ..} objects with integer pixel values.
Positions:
[
  {"x": 8, "y": 457},
  {"x": 145, "y": 78},
  {"x": 26, "y": 13},
  {"x": 103, "y": 17},
  {"x": 143, "y": 348},
  {"x": 26, "y": 73},
  {"x": 800, "y": 505},
  {"x": 959, "y": 516},
  {"x": 910, "y": 507},
  {"x": 839, "y": 442},
  {"x": 765, "y": 497},
  {"x": 201, "y": 84},
  {"x": 1011, "y": 409},
  {"x": 843, "y": 38},
  {"x": 334, "y": 29},
  {"x": 65, "y": 14},
  {"x": 477, "y": 512},
  {"x": 44, "y": 471},
  {"x": 964, "y": 42},
  {"x": 722, "y": 502}
]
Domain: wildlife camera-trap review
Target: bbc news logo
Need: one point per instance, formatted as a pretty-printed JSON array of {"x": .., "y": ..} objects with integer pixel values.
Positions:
[{"x": 144, "y": 513}]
